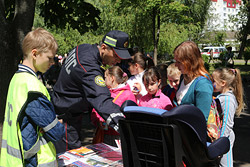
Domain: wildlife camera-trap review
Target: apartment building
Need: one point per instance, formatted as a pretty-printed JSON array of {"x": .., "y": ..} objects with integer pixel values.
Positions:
[{"x": 220, "y": 12}]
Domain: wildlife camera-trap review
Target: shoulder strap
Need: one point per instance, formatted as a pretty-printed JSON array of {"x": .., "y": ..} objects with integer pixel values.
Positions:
[
  {"x": 197, "y": 80},
  {"x": 219, "y": 109},
  {"x": 118, "y": 95}
]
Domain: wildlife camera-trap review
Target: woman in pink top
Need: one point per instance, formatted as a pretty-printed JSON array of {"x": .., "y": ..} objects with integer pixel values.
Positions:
[
  {"x": 155, "y": 98},
  {"x": 115, "y": 80}
]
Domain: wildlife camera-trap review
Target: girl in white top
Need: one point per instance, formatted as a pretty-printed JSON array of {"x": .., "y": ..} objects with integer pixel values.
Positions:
[{"x": 137, "y": 66}]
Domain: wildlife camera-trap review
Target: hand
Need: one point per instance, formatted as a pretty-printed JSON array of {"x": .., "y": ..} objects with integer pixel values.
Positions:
[
  {"x": 60, "y": 120},
  {"x": 103, "y": 125},
  {"x": 137, "y": 88}
]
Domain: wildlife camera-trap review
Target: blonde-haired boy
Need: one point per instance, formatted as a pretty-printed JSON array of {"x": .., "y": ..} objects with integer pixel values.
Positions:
[
  {"x": 173, "y": 75},
  {"x": 30, "y": 124}
]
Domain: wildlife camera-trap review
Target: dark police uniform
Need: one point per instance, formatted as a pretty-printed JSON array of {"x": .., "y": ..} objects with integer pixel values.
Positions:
[{"x": 79, "y": 88}]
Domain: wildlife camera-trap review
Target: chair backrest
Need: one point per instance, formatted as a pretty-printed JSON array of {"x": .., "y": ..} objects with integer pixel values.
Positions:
[
  {"x": 153, "y": 137},
  {"x": 147, "y": 140}
]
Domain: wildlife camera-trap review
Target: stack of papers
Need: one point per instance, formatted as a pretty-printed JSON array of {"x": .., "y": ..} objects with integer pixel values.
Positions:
[{"x": 91, "y": 155}]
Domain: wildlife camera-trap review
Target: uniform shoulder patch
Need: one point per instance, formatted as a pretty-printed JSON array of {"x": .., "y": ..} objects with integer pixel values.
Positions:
[{"x": 100, "y": 81}]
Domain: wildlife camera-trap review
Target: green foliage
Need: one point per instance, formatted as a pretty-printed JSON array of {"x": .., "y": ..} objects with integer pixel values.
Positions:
[
  {"x": 198, "y": 10},
  {"x": 134, "y": 17},
  {"x": 69, "y": 38},
  {"x": 206, "y": 63},
  {"x": 175, "y": 12},
  {"x": 205, "y": 58},
  {"x": 171, "y": 35},
  {"x": 78, "y": 14},
  {"x": 131, "y": 19},
  {"x": 219, "y": 39},
  {"x": 214, "y": 38}
]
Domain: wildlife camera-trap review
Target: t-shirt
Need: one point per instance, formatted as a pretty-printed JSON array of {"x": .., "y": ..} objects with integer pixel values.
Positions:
[{"x": 182, "y": 91}]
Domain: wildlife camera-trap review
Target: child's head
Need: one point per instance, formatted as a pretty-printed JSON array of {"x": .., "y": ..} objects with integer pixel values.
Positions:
[
  {"x": 115, "y": 76},
  {"x": 173, "y": 74},
  {"x": 162, "y": 68},
  {"x": 138, "y": 63},
  {"x": 225, "y": 79},
  {"x": 39, "y": 45},
  {"x": 152, "y": 80}
]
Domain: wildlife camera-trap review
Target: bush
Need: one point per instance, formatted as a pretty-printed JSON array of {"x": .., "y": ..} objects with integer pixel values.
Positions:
[
  {"x": 206, "y": 59},
  {"x": 246, "y": 55}
]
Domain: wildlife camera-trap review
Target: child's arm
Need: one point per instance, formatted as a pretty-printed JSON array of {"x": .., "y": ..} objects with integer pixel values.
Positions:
[
  {"x": 228, "y": 106},
  {"x": 41, "y": 111},
  {"x": 96, "y": 118}
]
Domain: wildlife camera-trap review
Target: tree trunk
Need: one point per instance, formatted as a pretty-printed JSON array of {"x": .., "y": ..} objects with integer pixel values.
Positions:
[
  {"x": 7, "y": 63},
  {"x": 244, "y": 37},
  {"x": 157, "y": 39},
  {"x": 156, "y": 36},
  {"x": 12, "y": 32},
  {"x": 242, "y": 45}
]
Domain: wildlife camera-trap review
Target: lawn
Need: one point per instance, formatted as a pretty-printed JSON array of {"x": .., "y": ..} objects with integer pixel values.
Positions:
[{"x": 240, "y": 64}]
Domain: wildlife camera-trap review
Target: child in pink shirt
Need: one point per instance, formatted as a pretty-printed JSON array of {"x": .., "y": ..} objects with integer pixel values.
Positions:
[
  {"x": 115, "y": 80},
  {"x": 154, "y": 98}
]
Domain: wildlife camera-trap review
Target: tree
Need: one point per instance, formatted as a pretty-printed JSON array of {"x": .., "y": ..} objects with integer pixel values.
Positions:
[
  {"x": 154, "y": 13},
  {"x": 241, "y": 21},
  {"x": 78, "y": 14},
  {"x": 16, "y": 20},
  {"x": 244, "y": 20}
]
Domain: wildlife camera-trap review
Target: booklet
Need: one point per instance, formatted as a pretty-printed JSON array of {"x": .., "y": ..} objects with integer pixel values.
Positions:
[
  {"x": 82, "y": 151},
  {"x": 101, "y": 147}
]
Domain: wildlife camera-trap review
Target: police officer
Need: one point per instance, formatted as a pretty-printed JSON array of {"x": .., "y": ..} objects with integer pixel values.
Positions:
[{"x": 81, "y": 86}]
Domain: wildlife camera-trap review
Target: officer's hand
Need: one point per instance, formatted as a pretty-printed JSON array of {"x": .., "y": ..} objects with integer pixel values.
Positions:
[{"x": 60, "y": 120}]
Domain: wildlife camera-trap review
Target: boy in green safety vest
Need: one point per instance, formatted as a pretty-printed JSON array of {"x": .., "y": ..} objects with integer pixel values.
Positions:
[{"x": 30, "y": 124}]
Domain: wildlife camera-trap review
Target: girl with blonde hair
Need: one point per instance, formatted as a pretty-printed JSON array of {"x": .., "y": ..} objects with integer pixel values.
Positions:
[{"x": 228, "y": 83}]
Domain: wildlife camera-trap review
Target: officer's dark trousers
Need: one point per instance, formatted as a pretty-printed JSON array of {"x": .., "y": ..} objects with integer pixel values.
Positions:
[{"x": 72, "y": 138}]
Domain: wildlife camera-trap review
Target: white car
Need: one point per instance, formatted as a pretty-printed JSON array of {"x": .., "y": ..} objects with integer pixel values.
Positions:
[{"x": 215, "y": 51}]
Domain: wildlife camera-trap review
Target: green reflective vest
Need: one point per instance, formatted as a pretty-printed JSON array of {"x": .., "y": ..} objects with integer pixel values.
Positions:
[{"x": 12, "y": 153}]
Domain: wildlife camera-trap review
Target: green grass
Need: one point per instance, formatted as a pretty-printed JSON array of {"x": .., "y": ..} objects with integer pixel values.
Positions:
[{"x": 240, "y": 64}]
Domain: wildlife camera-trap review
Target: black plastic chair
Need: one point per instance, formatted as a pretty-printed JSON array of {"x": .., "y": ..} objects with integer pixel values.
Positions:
[{"x": 157, "y": 138}]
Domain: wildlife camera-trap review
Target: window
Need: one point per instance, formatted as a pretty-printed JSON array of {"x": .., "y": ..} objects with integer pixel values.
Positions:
[
  {"x": 229, "y": 4},
  {"x": 225, "y": 14},
  {"x": 228, "y": 10},
  {"x": 224, "y": 9}
]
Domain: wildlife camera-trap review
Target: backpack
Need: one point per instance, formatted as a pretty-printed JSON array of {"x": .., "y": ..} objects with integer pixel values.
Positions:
[
  {"x": 215, "y": 118},
  {"x": 214, "y": 121}
]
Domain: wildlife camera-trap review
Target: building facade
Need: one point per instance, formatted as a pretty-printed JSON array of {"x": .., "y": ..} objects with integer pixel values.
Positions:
[{"x": 220, "y": 12}]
